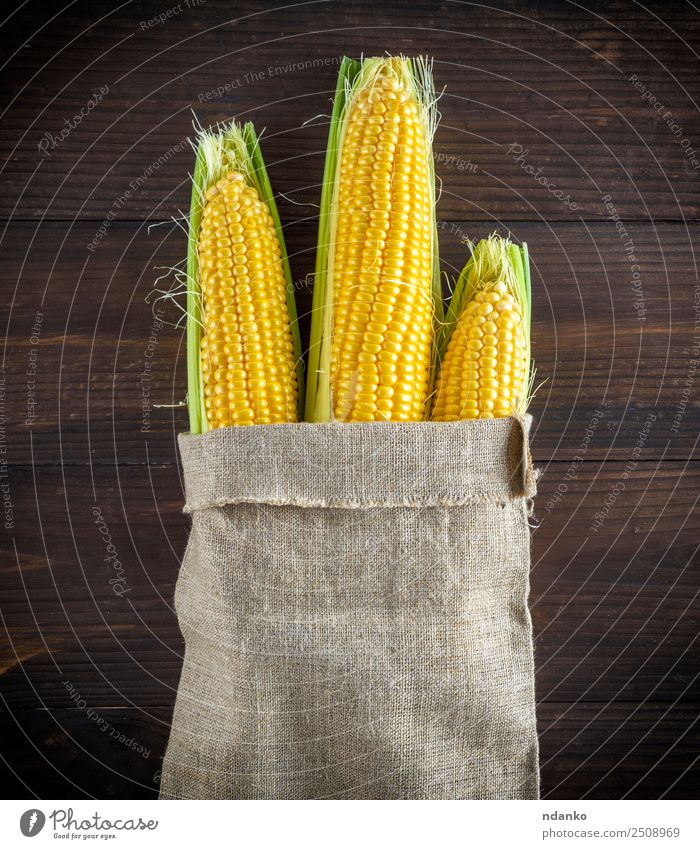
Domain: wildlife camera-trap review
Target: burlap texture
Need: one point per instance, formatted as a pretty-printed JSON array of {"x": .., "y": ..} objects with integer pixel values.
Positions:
[{"x": 353, "y": 600}]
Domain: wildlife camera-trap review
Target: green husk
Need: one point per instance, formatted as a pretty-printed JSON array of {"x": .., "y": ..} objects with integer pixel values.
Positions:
[
  {"x": 318, "y": 396},
  {"x": 195, "y": 394},
  {"x": 232, "y": 147},
  {"x": 495, "y": 259},
  {"x": 352, "y": 78}
]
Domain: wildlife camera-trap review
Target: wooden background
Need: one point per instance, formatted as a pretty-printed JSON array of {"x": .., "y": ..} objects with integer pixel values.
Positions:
[{"x": 87, "y": 375}]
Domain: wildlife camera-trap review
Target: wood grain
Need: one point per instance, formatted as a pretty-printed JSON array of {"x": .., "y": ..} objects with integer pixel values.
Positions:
[
  {"x": 554, "y": 78},
  {"x": 619, "y": 750}
]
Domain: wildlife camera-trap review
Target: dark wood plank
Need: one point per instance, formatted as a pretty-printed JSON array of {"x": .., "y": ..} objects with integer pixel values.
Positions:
[
  {"x": 613, "y": 610},
  {"x": 618, "y": 751},
  {"x": 83, "y": 753},
  {"x": 97, "y": 356},
  {"x": 556, "y": 79},
  {"x": 636, "y": 750},
  {"x": 614, "y": 582}
]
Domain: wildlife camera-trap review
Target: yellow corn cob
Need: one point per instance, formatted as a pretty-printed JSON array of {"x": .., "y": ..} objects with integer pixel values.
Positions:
[
  {"x": 382, "y": 329},
  {"x": 247, "y": 354},
  {"x": 485, "y": 370},
  {"x": 381, "y": 250},
  {"x": 241, "y": 314}
]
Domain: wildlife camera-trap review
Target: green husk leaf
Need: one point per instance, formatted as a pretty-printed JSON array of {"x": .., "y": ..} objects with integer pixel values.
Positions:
[
  {"x": 195, "y": 394},
  {"x": 232, "y": 147},
  {"x": 318, "y": 396},
  {"x": 352, "y": 78},
  {"x": 463, "y": 291}
]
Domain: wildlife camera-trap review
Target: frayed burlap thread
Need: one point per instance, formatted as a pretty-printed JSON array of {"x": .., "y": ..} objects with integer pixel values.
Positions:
[{"x": 353, "y": 600}]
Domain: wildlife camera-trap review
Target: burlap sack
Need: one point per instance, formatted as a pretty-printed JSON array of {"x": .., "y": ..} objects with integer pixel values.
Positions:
[{"x": 354, "y": 605}]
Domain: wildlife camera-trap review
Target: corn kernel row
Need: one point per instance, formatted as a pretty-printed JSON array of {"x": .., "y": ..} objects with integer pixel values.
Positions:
[{"x": 484, "y": 372}]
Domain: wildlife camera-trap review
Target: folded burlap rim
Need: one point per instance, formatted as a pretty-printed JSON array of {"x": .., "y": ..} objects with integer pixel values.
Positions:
[{"x": 382, "y": 464}]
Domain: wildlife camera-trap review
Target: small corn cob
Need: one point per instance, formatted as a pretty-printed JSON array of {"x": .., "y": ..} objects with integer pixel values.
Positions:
[
  {"x": 376, "y": 281},
  {"x": 485, "y": 371},
  {"x": 243, "y": 347}
]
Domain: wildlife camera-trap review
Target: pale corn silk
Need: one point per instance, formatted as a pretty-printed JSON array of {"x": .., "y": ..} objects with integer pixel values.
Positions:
[{"x": 353, "y": 600}]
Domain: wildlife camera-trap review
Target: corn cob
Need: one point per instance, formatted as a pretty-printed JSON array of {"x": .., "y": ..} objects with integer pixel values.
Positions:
[
  {"x": 377, "y": 287},
  {"x": 485, "y": 370},
  {"x": 243, "y": 345}
]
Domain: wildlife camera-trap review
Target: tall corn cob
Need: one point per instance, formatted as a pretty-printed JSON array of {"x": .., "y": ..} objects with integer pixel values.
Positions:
[
  {"x": 243, "y": 345},
  {"x": 485, "y": 371},
  {"x": 377, "y": 286}
]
